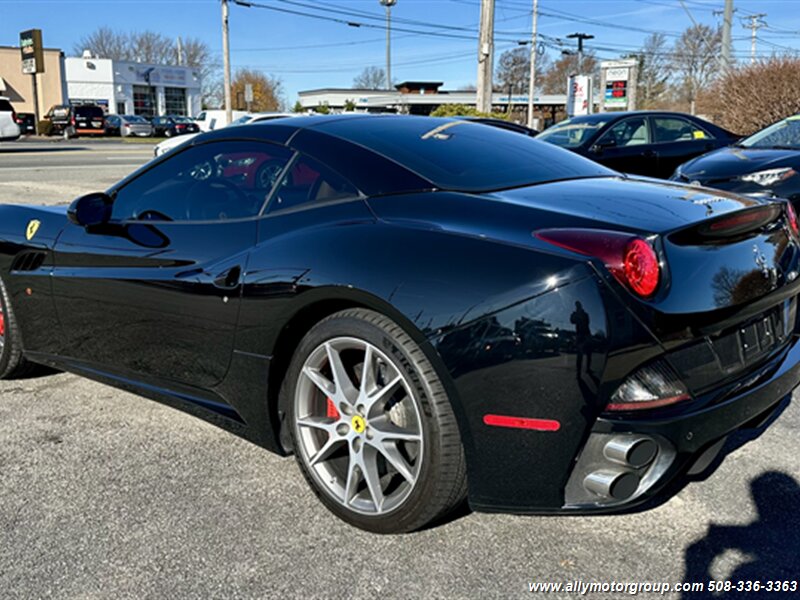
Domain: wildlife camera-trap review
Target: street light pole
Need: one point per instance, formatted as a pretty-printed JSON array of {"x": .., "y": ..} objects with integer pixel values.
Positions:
[
  {"x": 226, "y": 58},
  {"x": 532, "y": 78},
  {"x": 388, "y": 4},
  {"x": 580, "y": 37}
]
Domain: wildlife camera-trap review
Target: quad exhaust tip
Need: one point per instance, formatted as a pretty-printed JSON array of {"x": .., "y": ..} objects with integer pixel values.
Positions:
[
  {"x": 631, "y": 451},
  {"x": 617, "y": 485}
]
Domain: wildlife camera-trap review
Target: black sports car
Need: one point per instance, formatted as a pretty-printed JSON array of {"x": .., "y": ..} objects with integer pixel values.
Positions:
[
  {"x": 420, "y": 309},
  {"x": 648, "y": 143},
  {"x": 765, "y": 164}
]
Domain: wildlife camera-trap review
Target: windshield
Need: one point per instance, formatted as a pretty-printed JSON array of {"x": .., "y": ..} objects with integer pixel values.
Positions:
[
  {"x": 242, "y": 120},
  {"x": 462, "y": 155},
  {"x": 783, "y": 134},
  {"x": 182, "y": 120},
  {"x": 570, "y": 133},
  {"x": 89, "y": 111}
]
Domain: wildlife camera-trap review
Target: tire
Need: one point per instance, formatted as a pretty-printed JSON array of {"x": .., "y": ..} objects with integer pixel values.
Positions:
[
  {"x": 168, "y": 133},
  {"x": 12, "y": 362},
  {"x": 385, "y": 456}
]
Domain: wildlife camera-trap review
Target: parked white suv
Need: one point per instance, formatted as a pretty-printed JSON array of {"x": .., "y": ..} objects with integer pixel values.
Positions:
[{"x": 9, "y": 130}]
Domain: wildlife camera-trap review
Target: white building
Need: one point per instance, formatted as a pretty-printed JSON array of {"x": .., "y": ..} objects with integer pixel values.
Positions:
[{"x": 123, "y": 87}]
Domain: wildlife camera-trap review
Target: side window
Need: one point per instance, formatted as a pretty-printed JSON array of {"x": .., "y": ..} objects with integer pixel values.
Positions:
[
  {"x": 628, "y": 132},
  {"x": 201, "y": 117},
  {"x": 310, "y": 182},
  {"x": 675, "y": 129},
  {"x": 212, "y": 182}
]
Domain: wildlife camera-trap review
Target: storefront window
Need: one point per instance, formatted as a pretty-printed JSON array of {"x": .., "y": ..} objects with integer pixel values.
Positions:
[
  {"x": 144, "y": 100},
  {"x": 175, "y": 101}
]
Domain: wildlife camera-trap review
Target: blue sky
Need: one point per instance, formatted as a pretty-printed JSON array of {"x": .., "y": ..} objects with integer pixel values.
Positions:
[{"x": 310, "y": 53}]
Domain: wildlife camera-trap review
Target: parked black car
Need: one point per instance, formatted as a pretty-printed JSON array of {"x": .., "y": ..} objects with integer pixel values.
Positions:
[
  {"x": 171, "y": 125},
  {"x": 69, "y": 121},
  {"x": 642, "y": 142},
  {"x": 420, "y": 309},
  {"x": 26, "y": 122},
  {"x": 765, "y": 164}
]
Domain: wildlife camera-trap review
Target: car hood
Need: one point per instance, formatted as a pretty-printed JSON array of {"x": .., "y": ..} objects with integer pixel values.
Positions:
[
  {"x": 174, "y": 142},
  {"x": 730, "y": 162}
]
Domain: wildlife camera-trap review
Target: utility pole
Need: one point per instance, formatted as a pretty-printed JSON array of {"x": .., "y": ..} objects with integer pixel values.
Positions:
[
  {"x": 485, "y": 56},
  {"x": 727, "y": 23},
  {"x": 755, "y": 24},
  {"x": 388, "y": 4},
  {"x": 532, "y": 78},
  {"x": 580, "y": 37},
  {"x": 226, "y": 58}
]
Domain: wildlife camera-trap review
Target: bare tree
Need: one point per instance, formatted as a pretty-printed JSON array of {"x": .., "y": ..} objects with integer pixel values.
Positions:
[
  {"x": 152, "y": 47},
  {"x": 198, "y": 54},
  {"x": 104, "y": 42},
  {"x": 654, "y": 71},
  {"x": 696, "y": 60},
  {"x": 371, "y": 78},
  {"x": 751, "y": 97},
  {"x": 514, "y": 69},
  {"x": 554, "y": 78}
]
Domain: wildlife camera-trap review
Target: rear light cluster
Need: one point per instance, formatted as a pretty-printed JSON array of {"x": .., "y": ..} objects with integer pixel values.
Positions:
[
  {"x": 792, "y": 217},
  {"x": 629, "y": 258},
  {"x": 653, "y": 386}
]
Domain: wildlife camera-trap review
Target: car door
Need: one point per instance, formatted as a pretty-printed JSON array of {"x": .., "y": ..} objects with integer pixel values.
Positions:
[
  {"x": 626, "y": 146},
  {"x": 677, "y": 140},
  {"x": 155, "y": 292}
]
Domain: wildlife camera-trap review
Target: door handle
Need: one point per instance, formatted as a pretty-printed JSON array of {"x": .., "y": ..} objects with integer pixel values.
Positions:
[{"x": 229, "y": 279}]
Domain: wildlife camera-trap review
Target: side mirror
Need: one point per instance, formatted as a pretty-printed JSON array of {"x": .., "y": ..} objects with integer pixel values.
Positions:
[
  {"x": 90, "y": 210},
  {"x": 603, "y": 145}
]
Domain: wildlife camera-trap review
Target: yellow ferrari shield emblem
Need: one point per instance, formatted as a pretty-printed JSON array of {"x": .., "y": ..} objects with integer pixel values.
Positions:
[
  {"x": 33, "y": 227},
  {"x": 359, "y": 425}
]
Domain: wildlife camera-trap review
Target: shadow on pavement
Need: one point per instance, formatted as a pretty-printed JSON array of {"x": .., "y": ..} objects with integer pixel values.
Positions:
[
  {"x": 769, "y": 544},
  {"x": 42, "y": 148}
]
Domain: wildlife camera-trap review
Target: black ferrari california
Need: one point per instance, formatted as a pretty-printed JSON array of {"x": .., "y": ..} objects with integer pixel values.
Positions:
[{"x": 421, "y": 310}]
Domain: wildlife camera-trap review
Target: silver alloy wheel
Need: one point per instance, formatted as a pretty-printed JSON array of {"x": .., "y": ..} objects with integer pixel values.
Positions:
[{"x": 358, "y": 427}]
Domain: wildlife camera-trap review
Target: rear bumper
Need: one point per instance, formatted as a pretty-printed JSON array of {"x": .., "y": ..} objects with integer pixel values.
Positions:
[{"x": 687, "y": 443}]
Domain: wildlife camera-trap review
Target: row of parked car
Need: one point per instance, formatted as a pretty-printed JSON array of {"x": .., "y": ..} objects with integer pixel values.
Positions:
[
  {"x": 688, "y": 149},
  {"x": 71, "y": 121}
]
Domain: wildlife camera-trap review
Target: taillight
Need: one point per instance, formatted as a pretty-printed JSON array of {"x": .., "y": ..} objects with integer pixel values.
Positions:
[
  {"x": 72, "y": 120},
  {"x": 792, "y": 215},
  {"x": 629, "y": 258},
  {"x": 653, "y": 386}
]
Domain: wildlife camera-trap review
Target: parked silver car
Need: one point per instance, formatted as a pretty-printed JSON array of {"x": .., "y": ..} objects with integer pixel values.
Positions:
[{"x": 126, "y": 125}]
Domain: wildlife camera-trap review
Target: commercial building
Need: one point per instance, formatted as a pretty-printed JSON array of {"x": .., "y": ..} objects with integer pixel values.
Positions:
[
  {"x": 125, "y": 87},
  {"x": 18, "y": 87},
  {"x": 423, "y": 97}
]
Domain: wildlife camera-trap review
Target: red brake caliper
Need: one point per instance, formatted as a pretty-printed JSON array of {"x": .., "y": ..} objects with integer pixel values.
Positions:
[
  {"x": 3, "y": 324},
  {"x": 332, "y": 412}
]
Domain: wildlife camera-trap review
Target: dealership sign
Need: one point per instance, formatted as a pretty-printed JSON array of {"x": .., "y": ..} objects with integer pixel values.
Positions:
[
  {"x": 619, "y": 84},
  {"x": 579, "y": 93},
  {"x": 30, "y": 45}
]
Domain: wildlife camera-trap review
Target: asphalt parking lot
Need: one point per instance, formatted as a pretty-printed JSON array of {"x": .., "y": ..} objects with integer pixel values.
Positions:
[{"x": 107, "y": 495}]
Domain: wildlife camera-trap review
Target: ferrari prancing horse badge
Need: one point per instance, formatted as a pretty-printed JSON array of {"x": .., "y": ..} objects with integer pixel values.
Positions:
[{"x": 33, "y": 227}]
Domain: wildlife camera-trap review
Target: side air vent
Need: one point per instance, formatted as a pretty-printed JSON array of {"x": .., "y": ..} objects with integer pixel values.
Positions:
[{"x": 28, "y": 261}]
